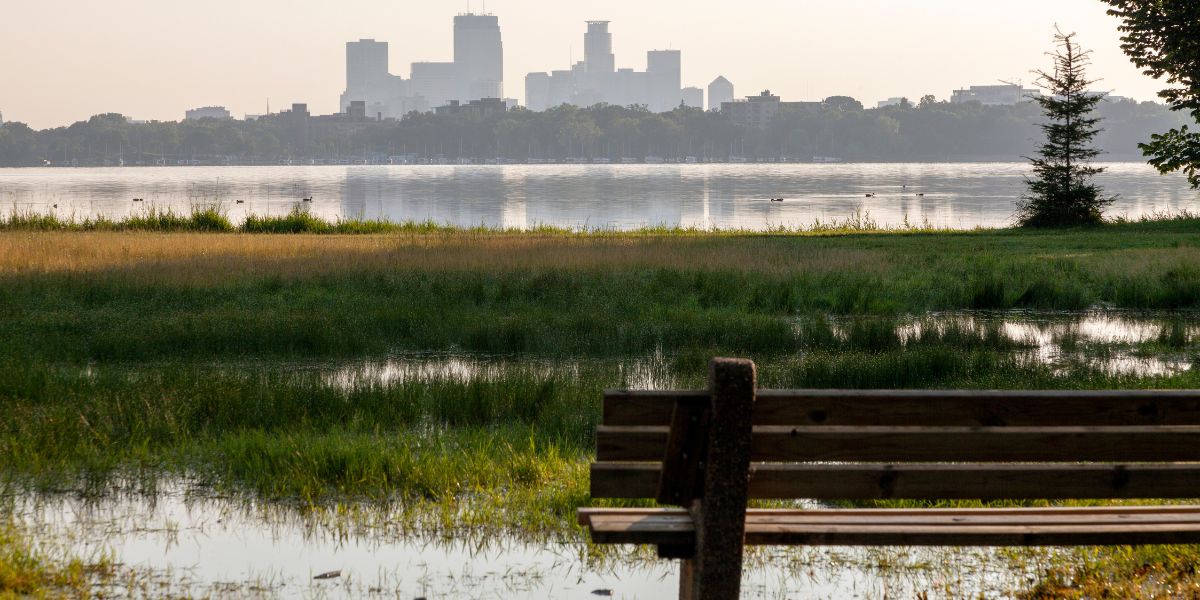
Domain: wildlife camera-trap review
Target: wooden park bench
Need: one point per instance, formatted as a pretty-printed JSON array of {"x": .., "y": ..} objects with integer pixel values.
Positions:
[{"x": 712, "y": 451}]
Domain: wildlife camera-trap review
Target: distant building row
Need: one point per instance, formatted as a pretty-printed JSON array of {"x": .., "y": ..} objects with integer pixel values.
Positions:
[
  {"x": 476, "y": 72},
  {"x": 597, "y": 80}
]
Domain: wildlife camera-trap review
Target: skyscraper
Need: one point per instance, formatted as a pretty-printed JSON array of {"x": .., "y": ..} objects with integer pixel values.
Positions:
[
  {"x": 693, "y": 97},
  {"x": 596, "y": 79},
  {"x": 437, "y": 82},
  {"x": 664, "y": 69},
  {"x": 369, "y": 81},
  {"x": 537, "y": 91},
  {"x": 720, "y": 91},
  {"x": 478, "y": 57},
  {"x": 598, "y": 54},
  {"x": 366, "y": 65}
]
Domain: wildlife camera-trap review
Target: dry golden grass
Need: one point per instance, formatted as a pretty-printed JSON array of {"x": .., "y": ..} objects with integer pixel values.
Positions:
[{"x": 175, "y": 255}]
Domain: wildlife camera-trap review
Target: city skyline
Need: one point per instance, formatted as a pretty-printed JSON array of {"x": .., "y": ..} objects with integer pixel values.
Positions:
[{"x": 809, "y": 52}]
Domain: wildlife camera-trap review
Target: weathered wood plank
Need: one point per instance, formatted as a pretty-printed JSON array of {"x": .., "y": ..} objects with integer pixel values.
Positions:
[
  {"x": 931, "y": 408},
  {"x": 995, "y": 527},
  {"x": 682, "y": 477},
  {"x": 586, "y": 514},
  {"x": 932, "y": 444},
  {"x": 716, "y": 570},
  {"x": 930, "y": 518},
  {"x": 977, "y": 481}
]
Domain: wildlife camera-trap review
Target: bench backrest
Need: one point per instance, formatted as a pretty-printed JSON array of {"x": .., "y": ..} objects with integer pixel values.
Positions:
[{"x": 858, "y": 445}]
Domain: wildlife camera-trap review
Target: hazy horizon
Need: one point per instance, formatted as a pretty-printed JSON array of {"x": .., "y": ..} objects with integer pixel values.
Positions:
[{"x": 148, "y": 61}]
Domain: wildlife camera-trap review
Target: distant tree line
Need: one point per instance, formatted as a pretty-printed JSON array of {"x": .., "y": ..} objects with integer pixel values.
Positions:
[{"x": 926, "y": 130}]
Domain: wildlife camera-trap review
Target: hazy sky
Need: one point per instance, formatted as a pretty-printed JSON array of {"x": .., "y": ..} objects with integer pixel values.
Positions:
[{"x": 152, "y": 59}]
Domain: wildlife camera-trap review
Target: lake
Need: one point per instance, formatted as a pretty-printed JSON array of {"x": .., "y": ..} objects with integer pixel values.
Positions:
[{"x": 724, "y": 196}]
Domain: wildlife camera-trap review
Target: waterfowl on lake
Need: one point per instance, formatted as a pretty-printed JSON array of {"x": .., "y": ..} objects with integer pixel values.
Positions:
[{"x": 870, "y": 195}]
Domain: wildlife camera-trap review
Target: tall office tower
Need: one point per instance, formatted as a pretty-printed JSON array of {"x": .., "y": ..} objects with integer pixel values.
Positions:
[
  {"x": 693, "y": 97},
  {"x": 437, "y": 82},
  {"x": 479, "y": 57},
  {"x": 598, "y": 49},
  {"x": 664, "y": 69},
  {"x": 537, "y": 91},
  {"x": 366, "y": 65},
  {"x": 720, "y": 91}
]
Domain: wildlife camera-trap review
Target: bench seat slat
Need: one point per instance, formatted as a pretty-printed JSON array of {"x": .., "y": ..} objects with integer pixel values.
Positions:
[
  {"x": 983, "y": 527},
  {"x": 932, "y": 444},
  {"x": 928, "y": 407},
  {"x": 977, "y": 481}
]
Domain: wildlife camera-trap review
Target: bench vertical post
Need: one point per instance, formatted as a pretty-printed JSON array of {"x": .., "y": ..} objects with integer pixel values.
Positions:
[{"x": 715, "y": 573}]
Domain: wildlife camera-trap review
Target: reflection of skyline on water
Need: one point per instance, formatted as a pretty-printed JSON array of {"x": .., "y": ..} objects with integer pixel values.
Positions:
[{"x": 594, "y": 197}]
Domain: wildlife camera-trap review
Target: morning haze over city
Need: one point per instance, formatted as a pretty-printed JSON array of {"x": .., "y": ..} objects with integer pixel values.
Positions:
[{"x": 152, "y": 62}]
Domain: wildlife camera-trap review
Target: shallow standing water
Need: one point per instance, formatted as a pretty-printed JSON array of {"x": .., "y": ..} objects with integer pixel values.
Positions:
[
  {"x": 955, "y": 195},
  {"x": 177, "y": 544}
]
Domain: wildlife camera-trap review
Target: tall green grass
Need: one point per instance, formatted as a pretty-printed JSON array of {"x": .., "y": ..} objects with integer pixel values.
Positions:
[
  {"x": 201, "y": 219},
  {"x": 213, "y": 218},
  {"x": 598, "y": 312}
]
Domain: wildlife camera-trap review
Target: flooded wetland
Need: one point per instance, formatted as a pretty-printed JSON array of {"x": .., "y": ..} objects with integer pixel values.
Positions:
[{"x": 411, "y": 415}]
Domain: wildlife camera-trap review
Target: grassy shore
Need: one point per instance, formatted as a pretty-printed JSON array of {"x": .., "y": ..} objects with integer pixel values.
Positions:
[{"x": 148, "y": 354}]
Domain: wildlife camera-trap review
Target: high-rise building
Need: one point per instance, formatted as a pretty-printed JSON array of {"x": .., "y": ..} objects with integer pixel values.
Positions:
[
  {"x": 720, "y": 91},
  {"x": 537, "y": 91},
  {"x": 366, "y": 65},
  {"x": 693, "y": 97},
  {"x": 477, "y": 72},
  {"x": 479, "y": 57},
  {"x": 598, "y": 49},
  {"x": 596, "y": 79},
  {"x": 664, "y": 70},
  {"x": 369, "y": 81},
  {"x": 437, "y": 82}
]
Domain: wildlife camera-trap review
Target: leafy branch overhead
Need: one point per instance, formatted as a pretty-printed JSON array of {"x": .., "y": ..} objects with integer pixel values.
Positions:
[{"x": 1162, "y": 37}]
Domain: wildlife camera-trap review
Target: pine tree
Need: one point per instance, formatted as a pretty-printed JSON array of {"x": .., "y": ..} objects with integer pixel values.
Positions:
[{"x": 1062, "y": 192}]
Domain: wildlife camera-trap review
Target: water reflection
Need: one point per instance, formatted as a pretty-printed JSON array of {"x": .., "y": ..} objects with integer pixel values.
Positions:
[
  {"x": 185, "y": 543},
  {"x": 1112, "y": 343},
  {"x": 654, "y": 372},
  {"x": 584, "y": 196}
]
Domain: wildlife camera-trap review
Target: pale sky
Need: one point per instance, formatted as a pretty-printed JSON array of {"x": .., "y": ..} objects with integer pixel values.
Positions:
[{"x": 152, "y": 59}]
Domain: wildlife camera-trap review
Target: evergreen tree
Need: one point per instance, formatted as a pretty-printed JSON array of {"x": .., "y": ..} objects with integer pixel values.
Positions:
[
  {"x": 1062, "y": 192},
  {"x": 1163, "y": 38}
]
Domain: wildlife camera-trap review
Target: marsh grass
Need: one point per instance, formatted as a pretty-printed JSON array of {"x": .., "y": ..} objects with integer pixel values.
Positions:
[
  {"x": 139, "y": 296},
  {"x": 143, "y": 355},
  {"x": 30, "y": 571}
]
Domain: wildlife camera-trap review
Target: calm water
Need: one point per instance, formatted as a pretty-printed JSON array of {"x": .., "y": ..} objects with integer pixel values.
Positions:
[
  {"x": 181, "y": 545},
  {"x": 598, "y": 196}
]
